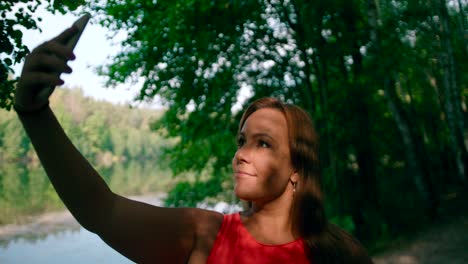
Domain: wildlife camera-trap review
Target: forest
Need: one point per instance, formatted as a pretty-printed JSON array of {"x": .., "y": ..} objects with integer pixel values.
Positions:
[{"x": 384, "y": 81}]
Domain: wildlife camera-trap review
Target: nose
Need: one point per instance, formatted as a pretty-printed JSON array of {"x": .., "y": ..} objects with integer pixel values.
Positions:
[{"x": 242, "y": 155}]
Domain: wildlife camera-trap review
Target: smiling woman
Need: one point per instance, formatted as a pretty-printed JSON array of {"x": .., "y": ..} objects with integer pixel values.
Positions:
[
  {"x": 263, "y": 154},
  {"x": 276, "y": 169}
]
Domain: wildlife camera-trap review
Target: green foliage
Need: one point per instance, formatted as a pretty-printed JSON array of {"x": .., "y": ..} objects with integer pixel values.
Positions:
[
  {"x": 187, "y": 194},
  {"x": 344, "y": 221},
  {"x": 192, "y": 192}
]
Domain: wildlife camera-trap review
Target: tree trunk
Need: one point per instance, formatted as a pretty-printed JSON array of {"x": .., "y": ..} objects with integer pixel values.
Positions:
[
  {"x": 319, "y": 65},
  {"x": 366, "y": 190},
  {"x": 405, "y": 133},
  {"x": 414, "y": 165},
  {"x": 452, "y": 94},
  {"x": 462, "y": 27}
]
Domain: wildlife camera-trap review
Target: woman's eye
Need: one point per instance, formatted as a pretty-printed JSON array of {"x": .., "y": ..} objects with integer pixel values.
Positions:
[
  {"x": 263, "y": 144},
  {"x": 240, "y": 142}
]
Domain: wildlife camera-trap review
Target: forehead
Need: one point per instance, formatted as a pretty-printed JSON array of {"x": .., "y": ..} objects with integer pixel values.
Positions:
[{"x": 266, "y": 120}]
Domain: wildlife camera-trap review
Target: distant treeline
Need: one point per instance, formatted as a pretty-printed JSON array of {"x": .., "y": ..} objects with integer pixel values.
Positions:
[{"x": 104, "y": 133}]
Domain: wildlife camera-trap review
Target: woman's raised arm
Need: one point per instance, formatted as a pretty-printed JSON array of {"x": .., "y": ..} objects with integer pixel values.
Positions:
[{"x": 142, "y": 232}]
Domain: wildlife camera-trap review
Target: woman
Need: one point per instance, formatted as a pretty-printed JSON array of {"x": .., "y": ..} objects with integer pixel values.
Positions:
[{"x": 275, "y": 168}]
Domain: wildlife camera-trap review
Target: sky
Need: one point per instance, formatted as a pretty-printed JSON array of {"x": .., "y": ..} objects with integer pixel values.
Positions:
[{"x": 92, "y": 50}]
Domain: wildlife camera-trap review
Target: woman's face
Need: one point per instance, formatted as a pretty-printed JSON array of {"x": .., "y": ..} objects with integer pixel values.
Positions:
[{"x": 262, "y": 164}]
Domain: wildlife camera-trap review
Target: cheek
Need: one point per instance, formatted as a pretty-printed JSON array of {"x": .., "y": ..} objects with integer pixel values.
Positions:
[
  {"x": 277, "y": 171},
  {"x": 273, "y": 175}
]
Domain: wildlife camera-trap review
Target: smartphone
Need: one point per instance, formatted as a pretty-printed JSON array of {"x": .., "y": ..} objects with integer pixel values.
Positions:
[{"x": 80, "y": 23}]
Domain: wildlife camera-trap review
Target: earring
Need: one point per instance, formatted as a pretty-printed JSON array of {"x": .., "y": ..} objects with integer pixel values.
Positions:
[{"x": 294, "y": 184}]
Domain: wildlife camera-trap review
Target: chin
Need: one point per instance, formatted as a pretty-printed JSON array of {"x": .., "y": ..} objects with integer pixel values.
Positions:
[
  {"x": 241, "y": 195},
  {"x": 245, "y": 194}
]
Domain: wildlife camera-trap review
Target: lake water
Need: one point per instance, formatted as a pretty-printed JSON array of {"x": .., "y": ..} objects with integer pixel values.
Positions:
[
  {"x": 65, "y": 242},
  {"x": 56, "y": 241},
  {"x": 72, "y": 244}
]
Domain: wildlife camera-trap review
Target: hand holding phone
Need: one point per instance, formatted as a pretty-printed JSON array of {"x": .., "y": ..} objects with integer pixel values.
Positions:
[
  {"x": 43, "y": 67},
  {"x": 80, "y": 24}
]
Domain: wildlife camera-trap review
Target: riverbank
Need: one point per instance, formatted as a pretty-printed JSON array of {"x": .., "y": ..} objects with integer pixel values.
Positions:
[
  {"x": 42, "y": 226},
  {"x": 54, "y": 222}
]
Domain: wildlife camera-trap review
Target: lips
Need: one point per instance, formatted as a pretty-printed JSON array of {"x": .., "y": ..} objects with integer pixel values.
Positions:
[{"x": 243, "y": 174}]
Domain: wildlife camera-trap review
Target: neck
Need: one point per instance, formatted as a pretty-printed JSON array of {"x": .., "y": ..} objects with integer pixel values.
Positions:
[{"x": 271, "y": 222}]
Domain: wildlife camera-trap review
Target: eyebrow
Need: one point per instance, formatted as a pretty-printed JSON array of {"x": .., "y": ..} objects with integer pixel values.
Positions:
[{"x": 257, "y": 135}]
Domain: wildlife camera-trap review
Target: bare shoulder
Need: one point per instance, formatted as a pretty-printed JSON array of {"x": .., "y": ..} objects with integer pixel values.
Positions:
[
  {"x": 145, "y": 233},
  {"x": 208, "y": 224},
  {"x": 207, "y": 219}
]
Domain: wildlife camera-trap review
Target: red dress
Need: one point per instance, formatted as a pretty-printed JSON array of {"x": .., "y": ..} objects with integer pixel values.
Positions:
[{"x": 234, "y": 244}]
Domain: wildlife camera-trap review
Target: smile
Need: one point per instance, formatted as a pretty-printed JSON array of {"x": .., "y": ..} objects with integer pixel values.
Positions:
[{"x": 243, "y": 174}]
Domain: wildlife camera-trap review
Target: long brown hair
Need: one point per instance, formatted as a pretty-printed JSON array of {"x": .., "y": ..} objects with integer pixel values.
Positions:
[{"x": 326, "y": 243}]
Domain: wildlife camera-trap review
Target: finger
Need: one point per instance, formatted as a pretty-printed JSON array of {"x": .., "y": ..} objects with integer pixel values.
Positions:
[
  {"x": 55, "y": 48},
  {"x": 38, "y": 80},
  {"x": 42, "y": 62}
]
